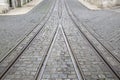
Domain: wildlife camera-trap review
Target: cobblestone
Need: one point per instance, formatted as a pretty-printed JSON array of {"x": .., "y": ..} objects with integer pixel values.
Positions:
[
  {"x": 103, "y": 24},
  {"x": 88, "y": 59},
  {"x": 107, "y": 56},
  {"x": 18, "y": 49},
  {"x": 27, "y": 64}
]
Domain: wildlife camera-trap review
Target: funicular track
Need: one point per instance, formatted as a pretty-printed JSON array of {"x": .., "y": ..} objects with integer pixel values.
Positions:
[
  {"x": 60, "y": 30},
  {"x": 111, "y": 61},
  {"x": 46, "y": 59}
]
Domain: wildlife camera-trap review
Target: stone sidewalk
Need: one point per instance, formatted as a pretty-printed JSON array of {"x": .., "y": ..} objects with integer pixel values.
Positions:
[{"x": 24, "y": 9}]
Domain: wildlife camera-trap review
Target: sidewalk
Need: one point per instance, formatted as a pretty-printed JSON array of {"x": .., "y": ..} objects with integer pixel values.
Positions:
[
  {"x": 116, "y": 9},
  {"x": 88, "y": 5},
  {"x": 24, "y": 9},
  {"x": 94, "y": 7}
]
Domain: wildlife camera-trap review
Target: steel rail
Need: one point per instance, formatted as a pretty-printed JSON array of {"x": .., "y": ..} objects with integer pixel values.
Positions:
[
  {"x": 46, "y": 56},
  {"x": 37, "y": 76},
  {"x": 73, "y": 57},
  {"x": 77, "y": 67}
]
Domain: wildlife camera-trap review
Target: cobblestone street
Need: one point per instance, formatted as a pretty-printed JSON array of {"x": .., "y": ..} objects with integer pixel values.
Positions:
[{"x": 60, "y": 40}]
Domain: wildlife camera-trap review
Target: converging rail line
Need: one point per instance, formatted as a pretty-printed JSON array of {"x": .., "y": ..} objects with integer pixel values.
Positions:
[{"x": 61, "y": 62}]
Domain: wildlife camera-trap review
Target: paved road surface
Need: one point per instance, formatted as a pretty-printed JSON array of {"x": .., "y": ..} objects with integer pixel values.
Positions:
[{"x": 63, "y": 46}]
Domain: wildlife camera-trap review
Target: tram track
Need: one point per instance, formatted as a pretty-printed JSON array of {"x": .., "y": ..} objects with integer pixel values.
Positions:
[
  {"x": 23, "y": 46},
  {"x": 111, "y": 61}
]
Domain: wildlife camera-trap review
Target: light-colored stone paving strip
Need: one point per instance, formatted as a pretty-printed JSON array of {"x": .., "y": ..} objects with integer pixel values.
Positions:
[
  {"x": 17, "y": 50},
  {"x": 91, "y": 64},
  {"x": 88, "y": 5},
  {"x": 59, "y": 65},
  {"x": 24, "y": 9},
  {"x": 27, "y": 64}
]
